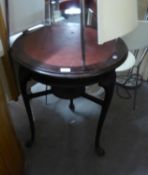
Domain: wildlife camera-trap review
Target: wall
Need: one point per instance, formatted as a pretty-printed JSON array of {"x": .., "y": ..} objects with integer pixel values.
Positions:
[{"x": 143, "y": 5}]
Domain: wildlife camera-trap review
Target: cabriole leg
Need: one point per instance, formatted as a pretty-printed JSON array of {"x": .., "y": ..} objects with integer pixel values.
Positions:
[
  {"x": 23, "y": 79},
  {"x": 108, "y": 83}
]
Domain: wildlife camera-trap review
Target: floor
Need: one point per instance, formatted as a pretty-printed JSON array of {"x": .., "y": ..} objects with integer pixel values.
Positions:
[{"x": 64, "y": 142}]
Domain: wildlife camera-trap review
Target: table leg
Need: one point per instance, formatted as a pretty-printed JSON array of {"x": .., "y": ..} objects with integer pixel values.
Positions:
[
  {"x": 24, "y": 77},
  {"x": 71, "y": 105},
  {"x": 108, "y": 83}
]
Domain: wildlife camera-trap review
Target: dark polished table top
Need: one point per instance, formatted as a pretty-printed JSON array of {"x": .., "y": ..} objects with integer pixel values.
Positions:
[{"x": 56, "y": 51}]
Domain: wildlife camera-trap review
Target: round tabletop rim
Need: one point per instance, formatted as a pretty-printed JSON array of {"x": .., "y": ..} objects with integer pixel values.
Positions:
[{"x": 76, "y": 72}]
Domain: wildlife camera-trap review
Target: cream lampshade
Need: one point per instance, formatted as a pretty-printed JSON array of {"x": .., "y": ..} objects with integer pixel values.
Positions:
[{"x": 115, "y": 18}]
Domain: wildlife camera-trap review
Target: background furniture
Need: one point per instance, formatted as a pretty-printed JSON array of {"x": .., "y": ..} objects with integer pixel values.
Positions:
[
  {"x": 10, "y": 85},
  {"x": 136, "y": 42},
  {"x": 124, "y": 72},
  {"x": 11, "y": 156}
]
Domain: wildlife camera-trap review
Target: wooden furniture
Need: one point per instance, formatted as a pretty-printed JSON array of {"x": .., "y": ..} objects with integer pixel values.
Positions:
[
  {"x": 6, "y": 61},
  {"x": 1, "y": 49},
  {"x": 11, "y": 156},
  {"x": 53, "y": 56}
]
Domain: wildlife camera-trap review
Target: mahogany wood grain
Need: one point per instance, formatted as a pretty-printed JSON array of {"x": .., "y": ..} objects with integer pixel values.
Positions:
[{"x": 49, "y": 49}]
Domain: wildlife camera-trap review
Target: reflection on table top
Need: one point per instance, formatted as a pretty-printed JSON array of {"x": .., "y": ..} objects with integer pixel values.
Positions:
[{"x": 56, "y": 51}]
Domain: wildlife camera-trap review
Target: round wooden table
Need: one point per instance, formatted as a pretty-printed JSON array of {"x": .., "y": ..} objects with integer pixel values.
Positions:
[{"x": 53, "y": 56}]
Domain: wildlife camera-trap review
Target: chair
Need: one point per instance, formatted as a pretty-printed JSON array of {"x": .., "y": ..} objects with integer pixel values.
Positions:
[
  {"x": 132, "y": 79},
  {"x": 137, "y": 42},
  {"x": 124, "y": 75}
]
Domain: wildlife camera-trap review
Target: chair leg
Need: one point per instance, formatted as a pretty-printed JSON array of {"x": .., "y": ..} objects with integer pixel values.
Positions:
[
  {"x": 135, "y": 90},
  {"x": 46, "y": 96}
]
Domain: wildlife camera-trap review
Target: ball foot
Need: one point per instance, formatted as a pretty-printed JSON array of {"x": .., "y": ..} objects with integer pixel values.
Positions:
[
  {"x": 29, "y": 143},
  {"x": 100, "y": 151}
]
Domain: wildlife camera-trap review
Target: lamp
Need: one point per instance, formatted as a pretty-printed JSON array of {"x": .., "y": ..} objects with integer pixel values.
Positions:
[{"x": 115, "y": 18}]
